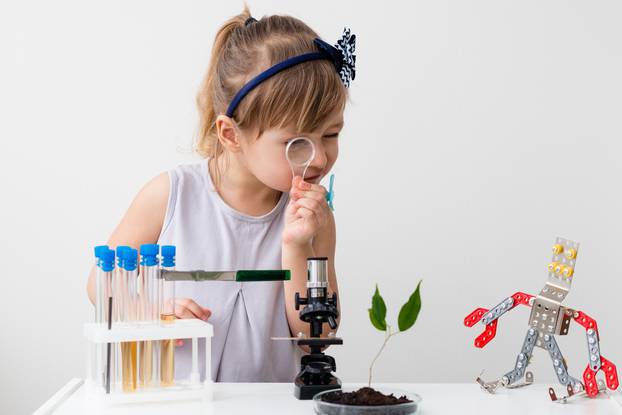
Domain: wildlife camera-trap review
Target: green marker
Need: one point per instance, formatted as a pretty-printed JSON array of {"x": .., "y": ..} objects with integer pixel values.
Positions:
[{"x": 239, "y": 276}]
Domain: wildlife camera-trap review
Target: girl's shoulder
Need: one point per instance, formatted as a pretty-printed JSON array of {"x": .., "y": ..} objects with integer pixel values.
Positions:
[
  {"x": 193, "y": 174},
  {"x": 143, "y": 220},
  {"x": 188, "y": 185}
]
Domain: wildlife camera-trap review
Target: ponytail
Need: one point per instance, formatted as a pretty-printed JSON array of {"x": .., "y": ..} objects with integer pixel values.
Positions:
[{"x": 207, "y": 144}]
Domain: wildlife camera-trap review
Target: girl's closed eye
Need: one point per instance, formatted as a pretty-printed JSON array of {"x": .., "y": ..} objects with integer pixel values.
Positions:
[{"x": 333, "y": 135}]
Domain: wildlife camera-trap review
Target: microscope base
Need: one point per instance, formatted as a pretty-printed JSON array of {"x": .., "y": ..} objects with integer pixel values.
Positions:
[{"x": 305, "y": 392}]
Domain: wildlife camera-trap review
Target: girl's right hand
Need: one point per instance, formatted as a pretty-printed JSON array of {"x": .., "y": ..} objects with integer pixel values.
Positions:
[{"x": 188, "y": 308}]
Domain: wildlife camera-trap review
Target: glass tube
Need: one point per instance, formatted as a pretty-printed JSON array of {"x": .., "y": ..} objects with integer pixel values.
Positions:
[
  {"x": 107, "y": 265},
  {"x": 129, "y": 349},
  {"x": 99, "y": 283},
  {"x": 100, "y": 301},
  {"x": 149, "y": 305},
  {"x": 120, "y": 293},
  {"x": 167, "y": 317},
  {"x": 104, "y": 292}
]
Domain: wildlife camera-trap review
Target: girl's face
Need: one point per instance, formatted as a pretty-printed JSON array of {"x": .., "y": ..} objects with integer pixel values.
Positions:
[{"x": 265, "y": 156}]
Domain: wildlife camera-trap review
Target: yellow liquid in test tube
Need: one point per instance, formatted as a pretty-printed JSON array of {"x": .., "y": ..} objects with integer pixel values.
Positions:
[
  {"x": 167, "y": 355},
  {"x": 129, "y": 367},
  {"x": 145, "y": 373}
]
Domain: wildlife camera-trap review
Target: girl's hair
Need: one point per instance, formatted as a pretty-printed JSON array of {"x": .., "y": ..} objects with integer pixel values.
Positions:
[{"x": 302, "y": 96}]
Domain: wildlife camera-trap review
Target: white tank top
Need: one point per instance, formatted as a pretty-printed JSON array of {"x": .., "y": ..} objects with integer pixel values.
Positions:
[{"x": 210, "y": 235}]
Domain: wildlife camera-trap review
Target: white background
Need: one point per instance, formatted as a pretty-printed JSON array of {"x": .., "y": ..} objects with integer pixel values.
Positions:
[{"x": 477, "y": 132}]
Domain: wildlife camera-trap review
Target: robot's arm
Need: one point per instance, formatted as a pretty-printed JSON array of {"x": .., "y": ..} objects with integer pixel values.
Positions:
[
  {"x": 489, "y": 317},
  {"x": 596, "y": 360}
]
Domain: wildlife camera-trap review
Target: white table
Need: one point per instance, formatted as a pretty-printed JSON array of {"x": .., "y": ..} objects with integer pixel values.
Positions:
[{"x": 278, "y": 398}]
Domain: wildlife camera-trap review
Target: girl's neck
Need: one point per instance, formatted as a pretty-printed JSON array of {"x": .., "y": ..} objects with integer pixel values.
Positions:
[{"x": 240, "y": 189}]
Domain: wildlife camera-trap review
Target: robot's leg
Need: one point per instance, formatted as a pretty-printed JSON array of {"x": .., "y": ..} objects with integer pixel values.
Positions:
[
  {"x": 519, "y": 368},
  {"x": 523, "y": 358},
  {"x": 559, "y": 364}
]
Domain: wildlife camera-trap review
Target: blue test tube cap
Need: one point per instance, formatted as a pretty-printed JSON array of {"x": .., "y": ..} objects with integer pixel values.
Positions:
[
  {"x": 107, "y": 260},
  {"x": 99, "y": 250},
  {"x": 149, "y": 254},
  {"x": 131, "y": 259},
  {"x": 168, "y": 255},
  {"x": 121, "y": 250}
]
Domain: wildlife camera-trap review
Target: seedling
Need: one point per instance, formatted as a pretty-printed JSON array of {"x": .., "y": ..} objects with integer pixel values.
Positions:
[{"x": 405, "y": 320}]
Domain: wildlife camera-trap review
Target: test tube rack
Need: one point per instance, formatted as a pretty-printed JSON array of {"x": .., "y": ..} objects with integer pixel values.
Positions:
[{"x": 98, "y": 335}]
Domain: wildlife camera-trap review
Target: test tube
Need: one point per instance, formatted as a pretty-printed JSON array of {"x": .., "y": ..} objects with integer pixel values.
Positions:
[
  {"x": 120, "y": 284},
  {"x": 128, "y": 314},
  {"x": 149, "y": 303},
  {"x": 120, "y": 294},
  {"x": 167, "y": 317},
  {"x": 100, "y": 289},
  {"x": 99, "y": 284},
  {"x": 105, "y": 303}
]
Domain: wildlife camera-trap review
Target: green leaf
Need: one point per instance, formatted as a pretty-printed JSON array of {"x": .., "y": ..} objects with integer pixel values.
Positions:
[
  {"x": 378, "y": 311},
  {"x": 380, "y": 325},
  {"x": 410, "y": 311}
]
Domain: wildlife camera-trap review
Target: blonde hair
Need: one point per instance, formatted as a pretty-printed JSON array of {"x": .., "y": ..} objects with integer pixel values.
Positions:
[{"x": 302, "y": 96}]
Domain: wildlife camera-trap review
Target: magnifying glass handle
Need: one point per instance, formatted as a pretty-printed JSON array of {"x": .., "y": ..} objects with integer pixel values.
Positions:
[{"x": 299, "y": 171}]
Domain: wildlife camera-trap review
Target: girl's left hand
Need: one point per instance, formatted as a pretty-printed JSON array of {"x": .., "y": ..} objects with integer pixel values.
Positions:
[{"x": 306, "y": 213}]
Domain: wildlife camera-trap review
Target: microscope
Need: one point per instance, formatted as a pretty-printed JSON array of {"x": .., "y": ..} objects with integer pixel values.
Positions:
[{"x": 316, "y": 367}]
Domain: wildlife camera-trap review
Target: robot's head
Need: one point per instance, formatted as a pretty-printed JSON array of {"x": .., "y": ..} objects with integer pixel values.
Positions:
[{"x": 561, "y": 268}]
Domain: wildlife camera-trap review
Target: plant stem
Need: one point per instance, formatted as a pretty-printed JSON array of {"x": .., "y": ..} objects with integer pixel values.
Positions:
[{"x": 386, "y": 339}]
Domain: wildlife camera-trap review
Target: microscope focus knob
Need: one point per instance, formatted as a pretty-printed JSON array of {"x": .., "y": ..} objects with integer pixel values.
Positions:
[
  {"x": 332, "y": 323},
  {"x": 298, "y": 301}
]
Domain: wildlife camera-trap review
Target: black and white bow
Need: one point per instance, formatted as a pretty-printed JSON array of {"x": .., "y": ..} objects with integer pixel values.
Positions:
[
  {"x": 346, "y": 44},
  {"x": 342, "y": 55}
]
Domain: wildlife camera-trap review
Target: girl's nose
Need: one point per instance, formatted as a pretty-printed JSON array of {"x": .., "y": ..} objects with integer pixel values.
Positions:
[{"x": 320, "y": 159}]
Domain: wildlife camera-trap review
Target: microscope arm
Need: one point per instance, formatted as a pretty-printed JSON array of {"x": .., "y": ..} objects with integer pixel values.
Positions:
[
  {"x": 490, "y": 317},
  {"x": 596, "y": 360}
]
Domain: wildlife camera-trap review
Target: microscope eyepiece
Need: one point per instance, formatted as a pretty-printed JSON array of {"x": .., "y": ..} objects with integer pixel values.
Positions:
[{"x": 317, "y": 272}]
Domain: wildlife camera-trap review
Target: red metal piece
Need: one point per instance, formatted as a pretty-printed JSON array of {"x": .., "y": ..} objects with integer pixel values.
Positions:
[
  {"x": 586, "y": 321},
  {"x": 611, "y": 374},
  {"x": 475, "y": 316},
  {"x": 611, "y": 377},
  {"x": 521, "y": 298},
  {"x": 487, "y": 335},
  {"x": 589, "y": 379}
]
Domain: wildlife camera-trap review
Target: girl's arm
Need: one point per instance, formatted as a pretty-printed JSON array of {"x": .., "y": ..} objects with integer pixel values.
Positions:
[
  {"x": 142, "y": 222},
  {"x": 295, "y": 259}
]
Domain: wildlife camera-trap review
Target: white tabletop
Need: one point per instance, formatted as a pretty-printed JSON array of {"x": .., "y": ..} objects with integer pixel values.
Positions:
[{"x": 278, "y": 398}]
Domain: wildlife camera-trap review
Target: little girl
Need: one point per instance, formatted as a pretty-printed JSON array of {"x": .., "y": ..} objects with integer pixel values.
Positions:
[{"x": 269, "y": 80}]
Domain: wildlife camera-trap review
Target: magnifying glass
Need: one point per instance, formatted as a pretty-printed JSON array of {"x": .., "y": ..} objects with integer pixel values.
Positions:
[{"x": 300, "y": 152}]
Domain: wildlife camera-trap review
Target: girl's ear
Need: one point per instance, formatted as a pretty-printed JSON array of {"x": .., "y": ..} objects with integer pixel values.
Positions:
[{"x": 228, "y": 134}]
